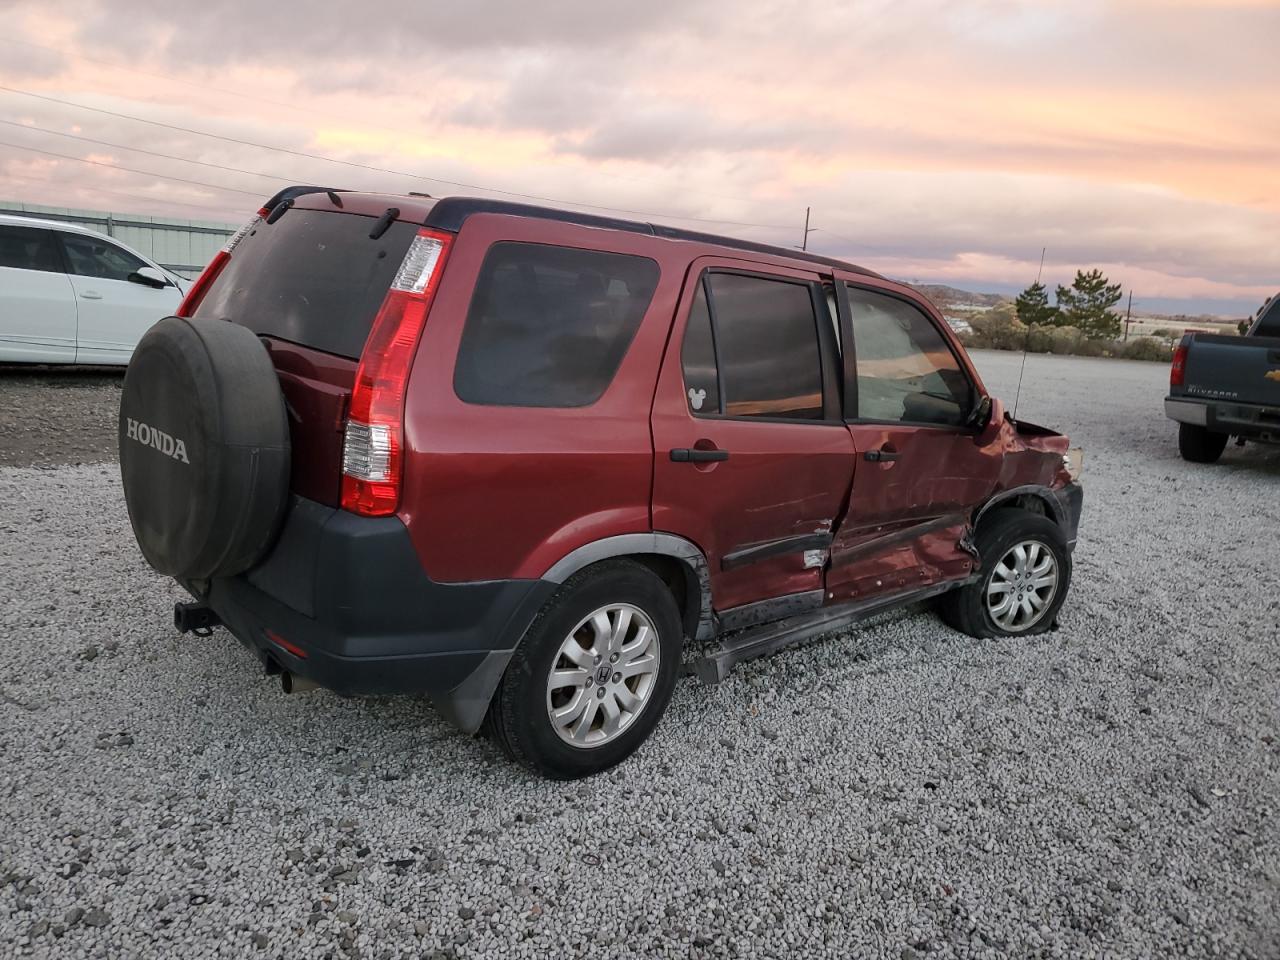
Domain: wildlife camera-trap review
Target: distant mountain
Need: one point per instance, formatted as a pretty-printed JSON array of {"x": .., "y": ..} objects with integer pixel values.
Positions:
[{"x": 949, "y": 299}]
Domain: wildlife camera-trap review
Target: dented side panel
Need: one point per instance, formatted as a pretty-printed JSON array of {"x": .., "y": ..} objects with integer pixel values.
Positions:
[{"x": 910, "y": 520}]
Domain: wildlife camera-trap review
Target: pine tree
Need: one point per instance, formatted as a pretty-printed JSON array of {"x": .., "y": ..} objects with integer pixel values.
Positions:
[
  {"x": 1087, "y": 304},
  {"x": 1033, "y": 306}
]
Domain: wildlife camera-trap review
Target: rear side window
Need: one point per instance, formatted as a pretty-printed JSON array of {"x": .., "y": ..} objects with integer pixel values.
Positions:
[
  {"x": 549, "y": 326},
  {"x": 698, "y": 357},
  {"x": 91, "y": 257},
  {"x": 28, "y": 248},
  {"x": 313, "y": 278},
  {"x": 1269, "y": 319},
  {"x": 764, "y": 335},
  {"x": 906, "y": 371}
]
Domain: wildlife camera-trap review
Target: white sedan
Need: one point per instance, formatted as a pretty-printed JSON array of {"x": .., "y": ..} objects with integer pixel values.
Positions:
[{"x": 70, "y": 295}]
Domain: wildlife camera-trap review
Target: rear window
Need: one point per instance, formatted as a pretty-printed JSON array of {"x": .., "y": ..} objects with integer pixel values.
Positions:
[
  {"x": 312, "y": 277},
  {"x": 1269, "y": 319},
  {"x": 549, "y": 326}
]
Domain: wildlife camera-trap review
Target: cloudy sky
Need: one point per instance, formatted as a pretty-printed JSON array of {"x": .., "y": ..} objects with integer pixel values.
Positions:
[{"x": 934, "y": 140}]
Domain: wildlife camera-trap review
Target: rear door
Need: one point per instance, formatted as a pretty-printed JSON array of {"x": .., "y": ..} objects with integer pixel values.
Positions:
[
  {"x": 752, "y": 459},
  {"x": 919, "y": 469},
  {"x": 37, "y": 303},
  {"x": 310, "y": 285},
  {"x": 114, "y": 311}
]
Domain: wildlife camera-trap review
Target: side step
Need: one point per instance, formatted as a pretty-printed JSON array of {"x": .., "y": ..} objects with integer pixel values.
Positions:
[{"x": 771, "y": 637}]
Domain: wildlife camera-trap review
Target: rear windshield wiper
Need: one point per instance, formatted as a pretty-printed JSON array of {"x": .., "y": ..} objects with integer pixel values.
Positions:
[{"x": 383, "y": 223}]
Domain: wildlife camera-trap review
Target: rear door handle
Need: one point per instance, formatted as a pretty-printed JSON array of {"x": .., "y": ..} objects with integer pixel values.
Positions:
[
  {"x": 693, "y": 455},
  {"x": 91, "y": 295},
  {"x": 880, "y": 456}
]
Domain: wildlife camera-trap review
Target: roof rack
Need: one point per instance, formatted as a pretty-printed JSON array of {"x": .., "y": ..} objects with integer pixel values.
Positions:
[{"x": 450, "y": 213}]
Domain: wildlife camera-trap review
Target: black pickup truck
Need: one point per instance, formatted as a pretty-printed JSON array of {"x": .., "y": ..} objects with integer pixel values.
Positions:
[{"x": 1223, "y": 387}]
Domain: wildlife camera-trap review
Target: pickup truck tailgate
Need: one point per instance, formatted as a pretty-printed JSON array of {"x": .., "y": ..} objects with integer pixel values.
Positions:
[{"x": 1241, "y": 369}]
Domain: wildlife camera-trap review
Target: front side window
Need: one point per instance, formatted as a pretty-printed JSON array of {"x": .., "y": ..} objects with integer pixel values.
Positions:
[
  {"x": 763, "y": 335},
  {"x": 28, "y": 248},
  {"x": 91, "y": 257},
  {"x": 548, "y": 326},
  {"x": 906, "y": 371}
]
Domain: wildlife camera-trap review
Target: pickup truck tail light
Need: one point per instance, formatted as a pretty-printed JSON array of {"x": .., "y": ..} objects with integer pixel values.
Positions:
[
  {"x": 1178, "y": 369},
  {"x": 373, "y": 439}
]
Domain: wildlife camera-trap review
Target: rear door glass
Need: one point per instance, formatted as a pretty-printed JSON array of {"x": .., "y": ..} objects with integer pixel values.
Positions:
[
  {"x": 548, "y": 326},
  {"x": 766, "y": 338},
  {"x": 313, "y": 278},
  {"x": 28, "y": 248}
]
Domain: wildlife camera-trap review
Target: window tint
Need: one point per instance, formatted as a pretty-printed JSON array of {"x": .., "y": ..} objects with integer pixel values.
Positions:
[
  {"x": 698, "y": 357},
  {"x": 767, "y": 338},
  {"x": 906, "y": 371},
  {"x": 548, "y": 326},
  {"x": 28, "y": 248},
  {"x": 313, "y": 277},
  {"x": 91, "y": 257}
]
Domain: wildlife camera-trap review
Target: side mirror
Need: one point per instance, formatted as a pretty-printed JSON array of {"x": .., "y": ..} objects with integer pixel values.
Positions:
[
  {"x": 980, "y": 414},
  {"x": 149, "y": 277},
  {"x": 988, "y": 428}
]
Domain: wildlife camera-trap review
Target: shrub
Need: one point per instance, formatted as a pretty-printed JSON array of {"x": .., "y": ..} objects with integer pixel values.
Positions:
[
  {"x": 999, "y": 329},
  {"x": 1144, "y": 348},
  {"x": 1066, "y": 340}
]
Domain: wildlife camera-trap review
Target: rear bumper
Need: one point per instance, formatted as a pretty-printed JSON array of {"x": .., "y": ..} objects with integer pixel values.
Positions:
[
  {"x": 343, "y": 601},
  {"x": 1250, "y": 420}
]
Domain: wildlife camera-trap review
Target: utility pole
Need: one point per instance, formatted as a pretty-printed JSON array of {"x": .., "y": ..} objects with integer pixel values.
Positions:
[
  {"x": 1127, "y": 313},
  {"x": 804, "y": 244}
]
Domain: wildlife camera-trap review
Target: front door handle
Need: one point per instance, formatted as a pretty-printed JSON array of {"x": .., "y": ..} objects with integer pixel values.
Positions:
[
  {"x": 91, "y": 295},
  {"x": 880, "y": 456},
  {"x": 694, "y": 455}
]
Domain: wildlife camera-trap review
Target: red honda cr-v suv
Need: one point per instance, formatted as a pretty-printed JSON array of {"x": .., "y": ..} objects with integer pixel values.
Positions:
[{"x": 528, "y": 461}]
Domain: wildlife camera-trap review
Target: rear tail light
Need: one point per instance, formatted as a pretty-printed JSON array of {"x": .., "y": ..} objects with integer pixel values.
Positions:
[
  {"x": 373, "y": 444},
  {"x": 191, "y": 302},
  {"x": 1178, "y": 369}
]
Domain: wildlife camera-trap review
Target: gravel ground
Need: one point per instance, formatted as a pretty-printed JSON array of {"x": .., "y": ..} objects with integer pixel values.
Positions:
[
  {"x": 57, "y": 416},
  {"x": 901, "y": 790}
]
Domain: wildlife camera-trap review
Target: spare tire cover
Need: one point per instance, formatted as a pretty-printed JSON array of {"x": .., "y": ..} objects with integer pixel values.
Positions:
[{"x": 204, "y": 448}]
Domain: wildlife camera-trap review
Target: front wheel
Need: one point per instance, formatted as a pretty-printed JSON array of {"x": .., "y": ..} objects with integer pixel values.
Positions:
[
  {"x": 1023, "y": 578},
  {"x": 594, "y": 674},
  {"x": 1200, "y": 445}
]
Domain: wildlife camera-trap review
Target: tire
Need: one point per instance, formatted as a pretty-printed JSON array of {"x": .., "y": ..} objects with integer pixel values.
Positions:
[
  {"x": 966, "y": 608},
  {"x": 1199, "y": 445},
  {"x": 519, "y": 718},
  {"x": 204, "y": 448}
]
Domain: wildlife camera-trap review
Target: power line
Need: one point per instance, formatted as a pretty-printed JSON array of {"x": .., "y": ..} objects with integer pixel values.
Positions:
[
  {"x": 302, "y": 109},
  {"x": 387, "y": 170},
  {"x": 150, "y": 153},
  {"x": 8, "y": 174},
  {"x": 145, "y": 173}
]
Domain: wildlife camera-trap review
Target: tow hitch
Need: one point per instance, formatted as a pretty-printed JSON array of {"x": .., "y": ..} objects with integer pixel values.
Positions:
[{"x": 195, "y": 618}]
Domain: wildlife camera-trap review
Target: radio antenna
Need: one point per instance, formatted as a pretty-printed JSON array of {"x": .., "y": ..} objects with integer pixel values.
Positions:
[{"x": 1026, "y": 344}]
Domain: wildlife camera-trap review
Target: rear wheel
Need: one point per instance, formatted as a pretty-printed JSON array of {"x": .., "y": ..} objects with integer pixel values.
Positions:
[
  {"x": 1023, "y": 578},
  {"x": 1200, "y": 445},
  {"x": 593, "y": 675}
]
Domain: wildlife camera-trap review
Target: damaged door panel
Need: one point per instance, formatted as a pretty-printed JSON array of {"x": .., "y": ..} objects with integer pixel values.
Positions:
[{"x": 752, "y": 459}]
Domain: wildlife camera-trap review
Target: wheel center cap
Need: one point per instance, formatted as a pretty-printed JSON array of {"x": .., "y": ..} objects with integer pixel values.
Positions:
[{"x": 602, "y": 673}]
